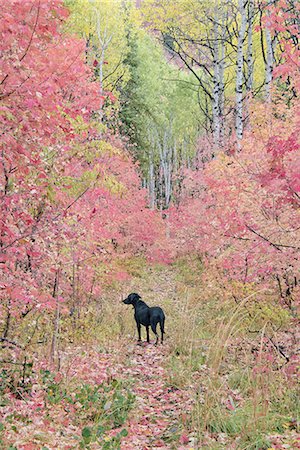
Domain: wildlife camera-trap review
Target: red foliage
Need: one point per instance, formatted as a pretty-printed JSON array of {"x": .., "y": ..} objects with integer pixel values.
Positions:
[
  {"x": 67, "y": 198},
  {"x": 242, "y": 210}
]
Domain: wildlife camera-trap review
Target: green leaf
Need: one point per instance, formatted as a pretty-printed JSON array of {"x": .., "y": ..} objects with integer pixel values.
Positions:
[
  {"x": 86, "y": 433},
  {"x": 123, "y": 433},
  {"x": 100, "y": 430}
]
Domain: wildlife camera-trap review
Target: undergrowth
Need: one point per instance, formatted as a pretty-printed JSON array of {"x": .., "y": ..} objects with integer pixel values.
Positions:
[
  {"x": 246, "y": 391},
  {"x": 230, "y": 352},
  {"x": 97, "y": 413}
]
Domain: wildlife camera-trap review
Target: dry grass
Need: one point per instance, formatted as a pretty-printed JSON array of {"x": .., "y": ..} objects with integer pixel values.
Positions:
[{"x": 240, "y": 396}]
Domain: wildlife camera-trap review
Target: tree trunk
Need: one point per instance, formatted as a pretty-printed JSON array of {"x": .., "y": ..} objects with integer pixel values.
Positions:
[
  {"x": 216, "y": 82},
  {"x": 221, "y": 76},
  {"x": 55, "y": 337},
  {"x": 165, "y": 153},
  {"x": 250, "y": 59},
  {"x": 239, "y": 72},
  {"x": 151, "y": 180},
  {"x": 249, "y": 72},
  {"x": 104, "y": 41},
  {"x": 269, "y": 63}
]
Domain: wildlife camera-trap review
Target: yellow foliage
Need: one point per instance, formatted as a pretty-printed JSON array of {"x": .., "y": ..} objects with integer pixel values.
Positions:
[
  {"x": 188, "y": 20},
  {"x": 103, "y": 26}
]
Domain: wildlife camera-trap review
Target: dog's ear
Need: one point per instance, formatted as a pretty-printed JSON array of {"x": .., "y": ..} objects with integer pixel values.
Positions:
[{"x": 134, "y": 298}]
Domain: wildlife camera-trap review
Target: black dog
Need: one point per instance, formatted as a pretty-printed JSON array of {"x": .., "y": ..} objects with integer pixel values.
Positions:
[{"x": 147, "y": 316}]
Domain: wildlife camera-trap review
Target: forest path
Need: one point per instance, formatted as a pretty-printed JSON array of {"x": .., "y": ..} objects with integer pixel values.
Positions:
[
  {"x": 112, "y": 394},
  {"x": 161, "y": 409}
]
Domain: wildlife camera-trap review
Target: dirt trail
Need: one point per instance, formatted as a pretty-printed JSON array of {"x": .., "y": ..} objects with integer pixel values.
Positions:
[
  {"x": 52, "y": 417},
  {"x": 160, "y": 409}
]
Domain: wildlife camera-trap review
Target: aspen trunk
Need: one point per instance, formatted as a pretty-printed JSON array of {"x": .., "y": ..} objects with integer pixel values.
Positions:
[
  {"x": 269, "y": 64},
  {"x": 218, "y": 51},
  {"x": 165, "y": 153},
  {"x": 151, "y": 180},
  {"x": 221, "y": 76},
  {"x": 239, "y": 72},
  {"x": 250, "y": 59},
  {"x": 104, "y": 41},
  {"x": 216, "y": 82},
  {"x": 249, "y": 73}
]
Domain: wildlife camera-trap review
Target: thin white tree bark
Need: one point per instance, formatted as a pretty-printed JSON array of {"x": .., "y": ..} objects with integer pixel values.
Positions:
[
  {"x": 269, "y": 63},
  {"x": 218, "y": 91},
  {"x": 104, "y": 40},
  {"x": 249, "y": 71},
  {"x": 166, "y": 156},
  {"x": 151, "y": 180},
  {"x": 216, "y": 80},
  {"x": 239, "y": 122},
  {"x": 221, "y": 75},
  {"x": 250, "y": 58}
]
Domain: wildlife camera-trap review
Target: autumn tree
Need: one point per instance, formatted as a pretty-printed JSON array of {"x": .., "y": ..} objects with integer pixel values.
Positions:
[
  {"x": 230, "y": 51},
  {"x": 242, "y": 212},
  {"x": 103, "y": 25},
  {"x": 67, "y": 195},
  {"x": 158, "y": 112}
]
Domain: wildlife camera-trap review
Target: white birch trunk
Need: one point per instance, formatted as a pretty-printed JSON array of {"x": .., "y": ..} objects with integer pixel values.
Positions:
[
  {"x": 239, "y": 71},
  {"x": 250, "y": 59},
  {"x": 216, "y": 82},
  {"x": 269, "y": 64},
  {"x": 167, "y": 167},
  {"x": 221, "y": 77},
  {"x": 151, "y": 181},
  {"x": 165, "y": 153},
  {"x": 249, "y": 73},
  {"x": 104, "y": 41}
]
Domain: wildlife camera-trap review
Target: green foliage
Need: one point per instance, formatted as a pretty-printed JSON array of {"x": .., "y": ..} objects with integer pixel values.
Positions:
[
  {"x": 158, "y": 98},
  {"x": 103, "y": 27},
  {"x": 135, "y": 266},
  {"x": 190, "y": 22},
  {"x": 102, "y": 407},
  {"x": 107, "y": 406},
  {"x": 16, "y": 379},
  {"x": 95, "y": 434},
  {"x": 55, "y": 392},
  {"x": 188, "y": 270}
]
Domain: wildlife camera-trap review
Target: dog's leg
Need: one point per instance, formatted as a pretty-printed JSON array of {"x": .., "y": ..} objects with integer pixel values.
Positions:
[
  {"x": 162, "y": 329},
  {"x": 153, "y": 328},
  {"x": 148, "y": 339},
  {"x": 139, "y": 331}
]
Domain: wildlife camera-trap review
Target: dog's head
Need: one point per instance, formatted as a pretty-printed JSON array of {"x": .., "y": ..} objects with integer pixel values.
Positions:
[{"x": 132, "y": 299}]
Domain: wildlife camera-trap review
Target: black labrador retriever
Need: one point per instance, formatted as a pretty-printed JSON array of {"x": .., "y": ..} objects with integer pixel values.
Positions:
[{"x": 147, "y": 316}]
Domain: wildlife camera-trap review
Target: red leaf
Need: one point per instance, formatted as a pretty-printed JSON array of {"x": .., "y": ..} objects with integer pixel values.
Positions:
[{"x": 184, "y": 439}]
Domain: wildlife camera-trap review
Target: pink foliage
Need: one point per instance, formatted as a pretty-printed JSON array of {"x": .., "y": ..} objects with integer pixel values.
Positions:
[
  {"x": 59, "y": 208},
  {"x": 241, "y": 209}
]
